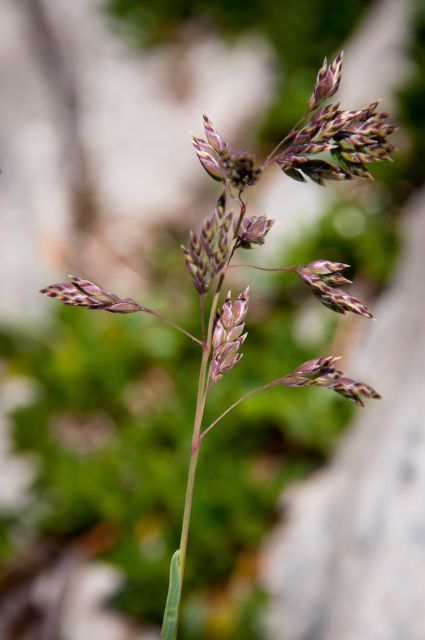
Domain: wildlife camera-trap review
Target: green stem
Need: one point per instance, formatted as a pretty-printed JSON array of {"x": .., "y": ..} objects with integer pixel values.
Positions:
[
  {"x": 254, "y": 266},
  {"x": 152, "y": 312},
  {"x": 273, "y": 383},
  {"x": 200, "y": 405},
  {"x": 202, "y": 314}
]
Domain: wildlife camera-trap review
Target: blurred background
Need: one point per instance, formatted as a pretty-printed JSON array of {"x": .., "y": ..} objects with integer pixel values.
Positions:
[{"x": 309, "y": 516}]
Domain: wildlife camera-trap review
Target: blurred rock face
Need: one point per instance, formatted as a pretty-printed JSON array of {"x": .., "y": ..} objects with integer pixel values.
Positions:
[
  {"x": 348, "y": 565},
  {"x": 94, "y": 132},
  {"x": 91, "y": 129}
]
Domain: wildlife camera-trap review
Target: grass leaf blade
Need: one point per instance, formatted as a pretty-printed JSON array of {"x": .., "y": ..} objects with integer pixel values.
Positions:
[{"x": 169, "y": 625}]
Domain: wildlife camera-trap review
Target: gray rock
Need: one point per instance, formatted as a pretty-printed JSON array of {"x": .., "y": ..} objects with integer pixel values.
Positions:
[{"x": 349, "y": 562}]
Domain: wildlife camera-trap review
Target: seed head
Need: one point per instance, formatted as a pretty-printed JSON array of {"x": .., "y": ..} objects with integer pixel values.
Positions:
[
  {"x": 322, "y": 276},
  {"x": 353, "y": 138},
  {"x": 228, "y": 335},
  {"x": 321, "y": 372},
  {"x": 207, "y": 253},
  {"x": 84, "y": 293}
]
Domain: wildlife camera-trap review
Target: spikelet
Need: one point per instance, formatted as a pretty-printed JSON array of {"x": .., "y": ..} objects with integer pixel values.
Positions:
[
  {"x": 228, "y": 335},
  {"x": 84, "y": 293},
  {"x": 206, "y": 254},
  {"x": 323, "y": 276},
  {"x": 320, "y": 372}
]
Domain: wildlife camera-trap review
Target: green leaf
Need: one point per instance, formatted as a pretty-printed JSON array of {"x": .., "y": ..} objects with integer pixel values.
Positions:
[{"x": 169, "y": 625}]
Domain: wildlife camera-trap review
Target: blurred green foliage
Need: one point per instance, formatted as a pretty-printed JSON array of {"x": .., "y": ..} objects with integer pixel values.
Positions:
[
  {"x": 412, "y": 100},
  {"x": 110, "y": 416},
  {"x": 301, "y": 33}
]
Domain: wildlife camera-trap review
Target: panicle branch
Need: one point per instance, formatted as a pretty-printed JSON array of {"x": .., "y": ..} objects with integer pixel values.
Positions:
[
  {"x": 323, "y": 277},
  {"x": 84, "y": 293},
  {"x": 321, "y": 372},
  {"x": 352, "y": 139},
  {"x": 317, "y": 372}
]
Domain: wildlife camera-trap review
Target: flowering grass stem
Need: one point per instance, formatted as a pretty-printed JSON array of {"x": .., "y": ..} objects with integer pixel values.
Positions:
[
  {"x": 202, "y": 393},
  {"x": 354, "y": 139}
]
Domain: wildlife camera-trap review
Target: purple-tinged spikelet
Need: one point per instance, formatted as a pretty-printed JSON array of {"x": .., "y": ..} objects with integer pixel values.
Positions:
[
  {"x": 213, "y": 137},
  {"x": 215, "y": 155},
  {"x": 206, "y": 254},
  {"x": 322, "y": 277},
  {"x": 325, "y": 267},
  {"x": 317, "y": 366},
  {"x": 228, "y": 335},
  {"x": 208, "y": 159},
  {"x": 354, "y": 138},
  {"x": 327, "y": 82},
  {"x": 353, "y": 390},
  {"x": 84, "y": 293},
  {"x": 252, "y": 231},
  {"x": 320, "y": 372}
]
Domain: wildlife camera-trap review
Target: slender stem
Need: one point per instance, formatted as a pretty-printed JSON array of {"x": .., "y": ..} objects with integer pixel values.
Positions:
[
  {"x": 243, "y": 206},
  {"x": 200, "y": 403},
  {"x": 202, "y": 314},
  {"x": 172, "y": 324},
  {"x": 273, "y": 383},
  {"x": 280, "y": 144},
  {"x": 254, "y": 266},
  {"x": 269, "y": 160}
]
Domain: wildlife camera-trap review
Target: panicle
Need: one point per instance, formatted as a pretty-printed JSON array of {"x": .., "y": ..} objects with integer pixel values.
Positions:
[
  {"x": 322, "y": 277},
  {"x": 236, "y": 169},
  {"x": 352, "y": 138},
  {"x": 84, "y": 293},
  {"x": 320, "y": 372},
  {"x": 228, "y": 335},
  {"x": 206, "y": 254}
]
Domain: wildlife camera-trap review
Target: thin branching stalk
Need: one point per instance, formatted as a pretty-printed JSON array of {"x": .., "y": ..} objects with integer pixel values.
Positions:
[
  {"x": 200, "y": 406},
  {"x": 263, "y": 387},
  {"x": 352, "y": 140},
  {"x": 202, "y": 316},
  {"x": 173, "y": 324},
  {"x": 254, "y": 266}
]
